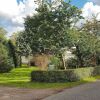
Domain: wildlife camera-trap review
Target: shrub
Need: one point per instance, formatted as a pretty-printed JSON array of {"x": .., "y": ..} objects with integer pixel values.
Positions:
[
  {"x": 82, "y": 73},
  {"x": 12, "y": 53},
  {"x": 5, "y": 66},
  {"x": 96, "y": 71},
  {"x": 5, "y": 61},
  {"x": 64, "y": 76},
  {"x": 72, "y": 63},
  {"x": 55, "y": 61}
]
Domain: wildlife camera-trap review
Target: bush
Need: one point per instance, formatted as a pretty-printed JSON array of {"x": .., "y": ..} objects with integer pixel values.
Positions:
[
  {"x": 54, "y": 63},
  {"x": 96, "y": 71},
  {"x": 69, "y": 75},
  {"x": 6, "y": 66},
  {"x": 12, "y": 53},
  {"x": 5, "y": 61},
  {"x": 72, "y": 63}
]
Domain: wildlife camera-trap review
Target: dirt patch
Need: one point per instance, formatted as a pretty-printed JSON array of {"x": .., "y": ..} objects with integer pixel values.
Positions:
[{"x": 9, "y": 93}]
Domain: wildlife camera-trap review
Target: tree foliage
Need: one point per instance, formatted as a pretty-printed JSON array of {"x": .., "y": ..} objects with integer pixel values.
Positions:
[
  {"x": 5, "y": 60},
  {"x": 13, "y": 53},
  {"x": 93, "y": 28},
  {"x": 86, "y": 45},
  {"x": 45, "y": 31}
]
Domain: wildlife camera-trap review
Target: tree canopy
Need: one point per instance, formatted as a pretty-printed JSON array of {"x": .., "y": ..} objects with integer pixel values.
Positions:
[
  {"x": 5, "y": 60},
  {"x": 86, "y": 46},
  {"x": 45, "y": 31}
]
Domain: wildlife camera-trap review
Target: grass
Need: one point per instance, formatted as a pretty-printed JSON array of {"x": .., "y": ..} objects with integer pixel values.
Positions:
[
  {"x": 20, "y": 77},
  {"x": 97, "y": 77}
]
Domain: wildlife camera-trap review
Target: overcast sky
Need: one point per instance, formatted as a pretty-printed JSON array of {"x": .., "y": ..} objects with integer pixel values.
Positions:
[{"x": 12, "y": 12}]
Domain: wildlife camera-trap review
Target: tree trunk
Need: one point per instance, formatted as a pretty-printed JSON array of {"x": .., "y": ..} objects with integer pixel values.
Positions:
[
  {"x": 20, "y": 61},
  {"x": 29, "y": 61},
  {"x": 63, "y": 61},
  {"x": 79, "y": 56}
]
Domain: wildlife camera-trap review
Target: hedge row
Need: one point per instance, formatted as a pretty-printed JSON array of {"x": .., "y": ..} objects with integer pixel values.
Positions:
[{"x": 69, "y": 75}]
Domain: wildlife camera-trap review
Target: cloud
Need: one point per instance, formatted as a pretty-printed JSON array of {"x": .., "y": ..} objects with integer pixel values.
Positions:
[
  {"x": 96, "y": 1},
  {"x": 89, "y": 10},
  {"x": 12, "y": 13}
]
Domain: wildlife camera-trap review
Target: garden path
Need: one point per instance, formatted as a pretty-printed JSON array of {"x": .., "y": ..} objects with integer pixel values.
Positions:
[{"x": 9, "y": 93}]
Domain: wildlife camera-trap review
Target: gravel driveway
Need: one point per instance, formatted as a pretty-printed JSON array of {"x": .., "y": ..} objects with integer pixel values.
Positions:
[
  {"x": 8, "y": 93},
  {"x": 90, "y": 91}
]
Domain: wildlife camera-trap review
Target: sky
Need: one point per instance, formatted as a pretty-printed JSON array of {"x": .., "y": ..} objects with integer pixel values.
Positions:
[
  {"x": 13, "y": 12},
  {"x": 79, "y": 3}
]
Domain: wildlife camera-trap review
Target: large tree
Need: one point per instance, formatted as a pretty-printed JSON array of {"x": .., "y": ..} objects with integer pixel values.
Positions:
[
  {"x": 93, "y": 28},
  {"x": 45, "y": 31},
  {"x": 86, "y": 47}
]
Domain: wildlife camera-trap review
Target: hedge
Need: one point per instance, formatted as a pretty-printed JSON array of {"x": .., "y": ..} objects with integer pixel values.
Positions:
[{"x": 69, "y": 75}]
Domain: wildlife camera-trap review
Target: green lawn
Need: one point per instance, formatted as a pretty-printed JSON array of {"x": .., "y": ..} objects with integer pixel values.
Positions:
[{"x": 20, "y": 77}]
